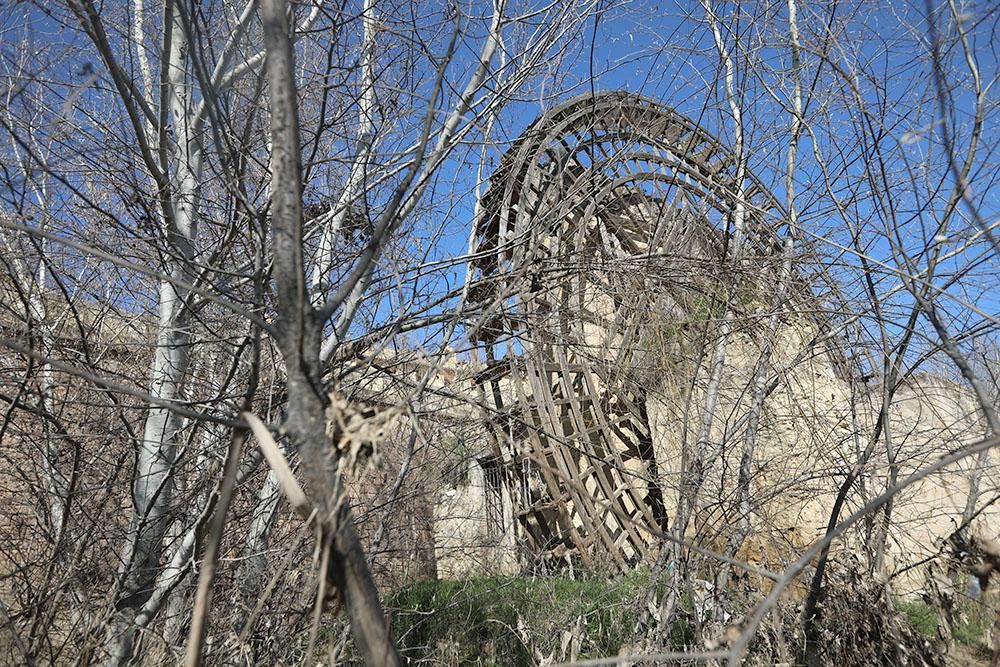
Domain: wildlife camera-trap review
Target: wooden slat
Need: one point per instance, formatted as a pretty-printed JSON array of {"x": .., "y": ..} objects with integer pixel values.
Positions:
[
  {"x": 598, "y": 470},
  {"x": 599, "y": 413},
  {"x": 540, "y": 398}
]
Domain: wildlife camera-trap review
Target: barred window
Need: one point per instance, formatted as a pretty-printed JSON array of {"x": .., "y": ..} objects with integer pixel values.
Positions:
[{"x": 493, "y": 475}]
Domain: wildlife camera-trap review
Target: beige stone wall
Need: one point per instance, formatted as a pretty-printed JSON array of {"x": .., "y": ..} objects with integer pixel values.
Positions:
[
  {"x": 465, "y": 541},
  {"x": 813, "y": 428},
  {"x": 447, "y": 472}
]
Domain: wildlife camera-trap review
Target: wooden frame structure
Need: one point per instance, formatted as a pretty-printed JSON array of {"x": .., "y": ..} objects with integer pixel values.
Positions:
[{"x": 576, "y": 235}]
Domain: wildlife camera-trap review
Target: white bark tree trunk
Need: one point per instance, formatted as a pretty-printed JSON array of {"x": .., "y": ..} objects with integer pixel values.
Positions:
[
  {"x": 694, "y": 474},
  {"x": 153, "y": 486},
  {"x": 760, "y": 380}
]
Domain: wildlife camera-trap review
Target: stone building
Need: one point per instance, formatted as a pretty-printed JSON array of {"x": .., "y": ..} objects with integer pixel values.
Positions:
[{"x": 619, "y": 246}]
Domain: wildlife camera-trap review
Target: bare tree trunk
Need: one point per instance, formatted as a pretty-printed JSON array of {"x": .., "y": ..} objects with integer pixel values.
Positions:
[
  {"x": 153, "y": 488},
  {"x": 253, "y": 566},
  {"x": 300, "y": 339},
  {"x": 778, "y": 303},
  {"x": 693, "y": 476},
  {"x": 343, "y": 208},
  {"x": 32, "y": 284}
]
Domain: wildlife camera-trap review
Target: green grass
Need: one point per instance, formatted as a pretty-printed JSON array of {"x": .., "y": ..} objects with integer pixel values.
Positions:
[
  {"x": 921, "y": 616},
  {"x": 971, "y": 619},
  {"x": 516, "y": 620},
  {"x": 508, "y": 620}
]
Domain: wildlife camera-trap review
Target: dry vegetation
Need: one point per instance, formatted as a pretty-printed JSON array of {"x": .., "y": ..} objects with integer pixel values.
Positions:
[{"x": 501, "y": 332}]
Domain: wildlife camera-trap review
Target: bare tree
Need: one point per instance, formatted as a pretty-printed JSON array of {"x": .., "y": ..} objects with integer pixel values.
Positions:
[
  {"x": 200, "y": 187},
  {"x": 244, "y": 241}
]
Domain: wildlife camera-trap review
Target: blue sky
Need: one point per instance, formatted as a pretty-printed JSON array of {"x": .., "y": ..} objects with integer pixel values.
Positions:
[{"x": 665, "y": 50}]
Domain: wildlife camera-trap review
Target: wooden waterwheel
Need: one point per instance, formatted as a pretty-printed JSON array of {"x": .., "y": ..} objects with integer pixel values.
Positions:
[{"x": 577, "y": 236}]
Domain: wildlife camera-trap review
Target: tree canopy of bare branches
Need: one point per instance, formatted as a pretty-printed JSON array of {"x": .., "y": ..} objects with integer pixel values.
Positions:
[{"x": 301, "y": 302}]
